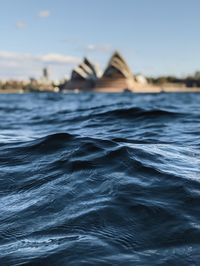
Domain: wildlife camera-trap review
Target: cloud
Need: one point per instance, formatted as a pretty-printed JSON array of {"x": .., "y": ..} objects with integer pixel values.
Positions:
[
  {"x": 21, "y": 24},
  {"x": 103, "y": 48},
  {"x": 45, "y": 58},
  {"x": 59, "y": 59},
  {"x": 15, "y": 65},
  {"x": 44, "y": 13},
  {"x": 14, "y": 56}
]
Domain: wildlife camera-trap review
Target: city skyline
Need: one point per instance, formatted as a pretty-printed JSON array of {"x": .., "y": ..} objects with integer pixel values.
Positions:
[{"x": 156, "y": 38}]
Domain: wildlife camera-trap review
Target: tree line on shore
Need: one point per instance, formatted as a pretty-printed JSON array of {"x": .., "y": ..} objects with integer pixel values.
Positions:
[
  {"x": 26, "y": 86},
  {"x": 189, "y": 81}
]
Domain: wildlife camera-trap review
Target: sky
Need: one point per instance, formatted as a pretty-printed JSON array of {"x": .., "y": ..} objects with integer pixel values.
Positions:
[{"x": 156, "y": 37}]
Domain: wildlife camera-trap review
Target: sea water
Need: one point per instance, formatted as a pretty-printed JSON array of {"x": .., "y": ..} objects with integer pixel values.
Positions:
[{"x": 100, "y": 179}]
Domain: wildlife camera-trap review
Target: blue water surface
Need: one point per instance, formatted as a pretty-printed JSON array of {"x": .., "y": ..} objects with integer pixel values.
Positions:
[{"x": 100, "y": 179}]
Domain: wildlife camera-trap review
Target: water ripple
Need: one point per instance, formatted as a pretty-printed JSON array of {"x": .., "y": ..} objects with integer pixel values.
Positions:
[{"x": 96, "y": 179}]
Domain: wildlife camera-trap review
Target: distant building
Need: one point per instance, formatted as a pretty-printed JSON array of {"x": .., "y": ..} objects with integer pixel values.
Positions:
[
  {"x": 45, "y": 74},
  {"x": 141, "y": 79},
  {"x": 83, "y": 77},
  {"x": 117, "y": 75}
]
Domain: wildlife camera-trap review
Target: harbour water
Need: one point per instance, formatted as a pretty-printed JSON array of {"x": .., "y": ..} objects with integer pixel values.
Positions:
[{"x": 100, "y": 179}]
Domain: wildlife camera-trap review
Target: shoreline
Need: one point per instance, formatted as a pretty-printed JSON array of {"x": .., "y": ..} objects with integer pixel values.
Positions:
[{"x": 138, "y": 89}]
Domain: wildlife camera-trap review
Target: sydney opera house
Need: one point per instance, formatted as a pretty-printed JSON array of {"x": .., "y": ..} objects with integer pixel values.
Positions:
[
  {"x": 116, "y": 77},
  {"x": 83, "y": 77}
]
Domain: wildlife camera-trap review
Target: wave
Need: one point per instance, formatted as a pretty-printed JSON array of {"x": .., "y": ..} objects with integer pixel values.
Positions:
[
  {"x": 133, "y": 112},
  {"x": 117, "y": 184}
]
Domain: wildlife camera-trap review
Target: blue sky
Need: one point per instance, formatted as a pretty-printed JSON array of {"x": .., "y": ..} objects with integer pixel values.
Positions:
[{"x": 156, "y": 37}]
